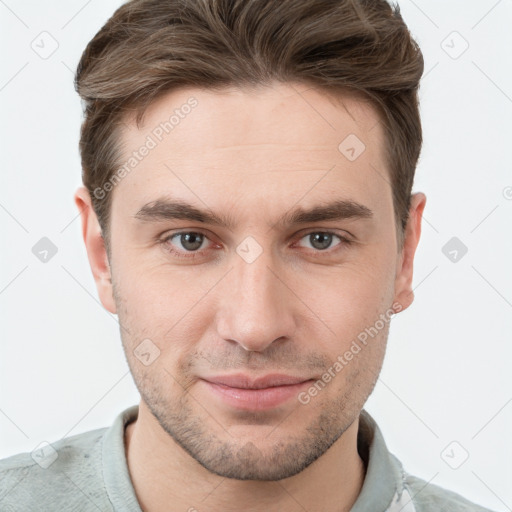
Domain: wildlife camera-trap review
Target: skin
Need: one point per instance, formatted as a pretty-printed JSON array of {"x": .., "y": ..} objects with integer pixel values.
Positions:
[{"x": 252, "y": 154}]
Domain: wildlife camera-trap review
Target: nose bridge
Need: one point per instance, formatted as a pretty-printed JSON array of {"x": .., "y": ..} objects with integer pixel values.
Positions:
[{"x": 256, "y": 304}]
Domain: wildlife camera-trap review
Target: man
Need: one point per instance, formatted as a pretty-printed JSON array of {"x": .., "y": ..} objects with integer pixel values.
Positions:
[{"x": 247, "y": 214}]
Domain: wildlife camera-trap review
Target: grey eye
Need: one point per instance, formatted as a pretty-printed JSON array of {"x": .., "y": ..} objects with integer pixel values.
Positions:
[
  {"x": 189, "y": 241},
  {"x": 320, "y": 240}
]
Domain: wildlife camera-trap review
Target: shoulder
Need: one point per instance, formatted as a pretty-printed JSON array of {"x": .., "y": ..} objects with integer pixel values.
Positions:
[
  {"x": 428, "y": 497},
  {"x": 68, "y": 471}
]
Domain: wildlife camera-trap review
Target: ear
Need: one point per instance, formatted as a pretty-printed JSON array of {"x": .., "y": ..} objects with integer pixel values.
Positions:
[
  {"x": 403, "y": 281},
  {"x": 95, "y": 246}
]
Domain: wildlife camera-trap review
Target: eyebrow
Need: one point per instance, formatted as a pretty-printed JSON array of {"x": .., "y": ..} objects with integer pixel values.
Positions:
[{"x": 164, "y": 209}]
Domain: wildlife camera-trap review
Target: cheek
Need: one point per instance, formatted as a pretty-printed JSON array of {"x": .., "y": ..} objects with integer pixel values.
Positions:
[
  {"x": 161, "y": 294},
  {"x": 163, "y": 306},
  {"x": 350, "y": 299}
]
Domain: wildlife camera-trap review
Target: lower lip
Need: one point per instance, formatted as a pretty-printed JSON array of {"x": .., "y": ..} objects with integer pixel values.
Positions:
[{"x": 256, "y": 399}]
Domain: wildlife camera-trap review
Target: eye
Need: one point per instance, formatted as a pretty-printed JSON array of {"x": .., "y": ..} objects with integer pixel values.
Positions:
[
  {"x": 184, "y": 242},
  {"x": 192, "y": 244},
  {"x": 322, "y": 240}
]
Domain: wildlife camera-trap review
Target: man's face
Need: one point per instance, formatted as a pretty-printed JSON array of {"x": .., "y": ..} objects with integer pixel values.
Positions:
[{"x": 261, "y": 295}]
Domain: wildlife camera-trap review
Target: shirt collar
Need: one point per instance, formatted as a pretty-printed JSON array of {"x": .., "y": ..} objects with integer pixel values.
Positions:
[
  {"x": 383, "y": 483},
  {"x": 382, "y": 488},
  {"x": 115, "y": 467}
]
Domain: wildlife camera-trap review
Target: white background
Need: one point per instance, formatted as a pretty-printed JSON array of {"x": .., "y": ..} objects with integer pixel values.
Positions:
[{"x": 447, "y": 372}]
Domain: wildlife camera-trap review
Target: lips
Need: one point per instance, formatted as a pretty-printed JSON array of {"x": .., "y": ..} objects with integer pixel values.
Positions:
[
  {"x": 241, "y": 381},
  {"x": 243, "y": 392}
]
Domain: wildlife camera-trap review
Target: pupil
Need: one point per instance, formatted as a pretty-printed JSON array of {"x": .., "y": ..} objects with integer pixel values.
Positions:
[
  {"x": 191, "y": 238},
  {"x": 324, "y": 240}
]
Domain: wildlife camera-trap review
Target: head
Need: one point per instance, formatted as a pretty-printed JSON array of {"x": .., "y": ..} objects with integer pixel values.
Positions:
[{"x": 247, "y": 208}]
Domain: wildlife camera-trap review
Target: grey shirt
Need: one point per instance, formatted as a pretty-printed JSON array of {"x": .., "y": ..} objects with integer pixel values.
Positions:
[{"x": 89, "y": 472}]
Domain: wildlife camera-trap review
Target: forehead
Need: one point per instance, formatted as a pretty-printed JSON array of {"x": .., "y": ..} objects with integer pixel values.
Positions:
[{"x": 254, "y": 145}]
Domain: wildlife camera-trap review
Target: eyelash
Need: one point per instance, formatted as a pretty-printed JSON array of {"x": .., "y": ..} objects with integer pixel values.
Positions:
[{"x": 194, "y": 254}]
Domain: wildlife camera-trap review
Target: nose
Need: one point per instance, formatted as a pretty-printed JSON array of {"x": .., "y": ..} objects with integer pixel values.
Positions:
[{"x": 257, "y": 306}]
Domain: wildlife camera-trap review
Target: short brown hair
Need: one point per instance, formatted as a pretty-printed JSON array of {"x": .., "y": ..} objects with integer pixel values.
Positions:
[{"x": 151, "y": 47}]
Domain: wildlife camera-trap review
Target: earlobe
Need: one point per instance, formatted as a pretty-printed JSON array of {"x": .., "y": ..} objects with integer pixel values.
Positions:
[
  {"x": 95, "y": 246},
  {"x": 404, "y": 273}
]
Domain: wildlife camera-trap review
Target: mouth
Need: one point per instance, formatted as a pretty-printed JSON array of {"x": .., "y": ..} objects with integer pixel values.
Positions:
[{"x": 260, "y": 393}]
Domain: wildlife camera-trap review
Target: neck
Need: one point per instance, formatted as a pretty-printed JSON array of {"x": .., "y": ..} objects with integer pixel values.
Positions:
[{"x": 162, "y": 473}]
